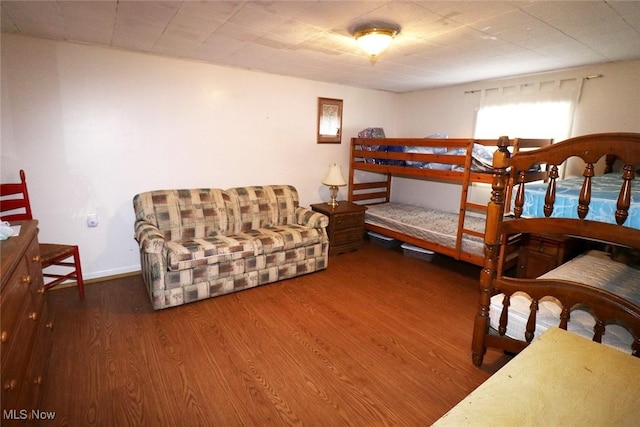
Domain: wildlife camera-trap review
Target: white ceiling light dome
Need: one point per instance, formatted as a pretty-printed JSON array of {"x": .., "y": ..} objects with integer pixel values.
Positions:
[{"x": 375, "y": 39}]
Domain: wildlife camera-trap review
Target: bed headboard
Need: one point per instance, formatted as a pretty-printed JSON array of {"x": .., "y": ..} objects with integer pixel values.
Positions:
[{"x": 590, "y": 148}]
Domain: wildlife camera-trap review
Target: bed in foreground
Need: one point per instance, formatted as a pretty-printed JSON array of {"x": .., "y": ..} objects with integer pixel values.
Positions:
[{"x": 596, "y": 296}]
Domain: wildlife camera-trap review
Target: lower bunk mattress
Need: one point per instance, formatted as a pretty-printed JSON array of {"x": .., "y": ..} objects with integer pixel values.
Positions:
[
  {"x": 604, "y": 273},
  {"x": 427, "y": 224}
]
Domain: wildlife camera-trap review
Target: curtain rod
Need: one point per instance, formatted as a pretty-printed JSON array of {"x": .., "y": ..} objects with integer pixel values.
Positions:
[{"x": 593, "y": 76}]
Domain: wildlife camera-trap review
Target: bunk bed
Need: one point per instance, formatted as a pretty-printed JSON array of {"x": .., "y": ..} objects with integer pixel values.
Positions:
[
  {"x": 595, "y": 294},
  {"x": 461, "y": 161}
]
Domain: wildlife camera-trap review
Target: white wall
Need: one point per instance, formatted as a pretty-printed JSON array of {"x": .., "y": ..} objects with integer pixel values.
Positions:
[
  {"x": 607, "y": 104},
  {"x": 93, "y": 126}
]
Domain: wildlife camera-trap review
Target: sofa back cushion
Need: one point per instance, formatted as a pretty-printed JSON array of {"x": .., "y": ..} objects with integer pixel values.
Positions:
[
  {"x": 186, "y": 214},
  {"x": 263, "y": 206}
]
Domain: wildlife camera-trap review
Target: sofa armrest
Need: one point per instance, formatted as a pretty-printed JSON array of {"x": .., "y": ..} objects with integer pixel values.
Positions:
[
  {"x": 149, "y": 237},
  {"x": 310, "y": 218}
]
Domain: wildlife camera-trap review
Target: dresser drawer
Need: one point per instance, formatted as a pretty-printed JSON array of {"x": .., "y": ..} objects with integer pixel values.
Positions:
[
  {"x": 32, "y": 257},
  {"x": 15, "y": 297},
  {"x": 34, "y": 378},
  {"x": 349, "y": 220},
  {"x": 18, "y": 352},
  {"x": 348, "y": 236}
]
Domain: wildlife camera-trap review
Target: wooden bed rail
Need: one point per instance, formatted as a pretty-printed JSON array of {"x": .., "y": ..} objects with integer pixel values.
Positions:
[{"x": 370, "y": 192}]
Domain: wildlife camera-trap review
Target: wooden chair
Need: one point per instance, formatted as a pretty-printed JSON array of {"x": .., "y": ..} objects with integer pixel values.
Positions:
[{"x": 15, "y": 206}]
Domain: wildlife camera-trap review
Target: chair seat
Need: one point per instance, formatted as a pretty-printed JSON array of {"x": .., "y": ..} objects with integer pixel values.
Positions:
[{"x": 53, "y": 251}]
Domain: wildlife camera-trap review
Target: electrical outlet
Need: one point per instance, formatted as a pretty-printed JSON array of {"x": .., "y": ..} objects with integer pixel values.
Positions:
[{"x": 92, "y": 220}]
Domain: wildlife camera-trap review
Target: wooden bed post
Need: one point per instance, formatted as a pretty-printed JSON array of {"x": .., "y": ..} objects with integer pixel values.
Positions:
[{"x": 495, "y": 213}]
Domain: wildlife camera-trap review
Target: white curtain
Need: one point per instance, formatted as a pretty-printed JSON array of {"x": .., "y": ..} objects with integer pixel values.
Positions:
[{"x": 542, "y": 109}]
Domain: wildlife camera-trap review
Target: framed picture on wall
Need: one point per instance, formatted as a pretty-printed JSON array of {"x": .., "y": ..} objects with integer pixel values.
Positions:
[{"x": 329, "y": 121}]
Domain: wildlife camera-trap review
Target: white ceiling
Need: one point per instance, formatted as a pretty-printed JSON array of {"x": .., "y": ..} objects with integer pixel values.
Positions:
[{"x": 441, "y": 43}]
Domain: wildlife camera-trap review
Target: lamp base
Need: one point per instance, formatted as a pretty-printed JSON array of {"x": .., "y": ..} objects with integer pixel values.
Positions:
[{"x": 333, "y": 192}]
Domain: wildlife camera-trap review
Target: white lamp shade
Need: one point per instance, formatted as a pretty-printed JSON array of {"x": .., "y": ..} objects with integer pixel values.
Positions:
[{"x": 334, "y": 176}]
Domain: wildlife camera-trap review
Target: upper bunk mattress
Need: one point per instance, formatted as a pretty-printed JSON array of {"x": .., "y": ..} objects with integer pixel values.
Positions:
[
  {"x": 604, "y": 273},
  {"x": 604, "y": 196},
  {"x": 427, "y": 224}
]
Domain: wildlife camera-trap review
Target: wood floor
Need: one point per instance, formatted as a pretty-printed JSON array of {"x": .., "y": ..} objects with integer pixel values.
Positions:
[{"x": 377, "y": 339}]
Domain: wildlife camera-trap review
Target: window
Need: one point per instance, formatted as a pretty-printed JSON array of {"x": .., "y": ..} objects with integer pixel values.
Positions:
[{"x": 528, "y": 110}]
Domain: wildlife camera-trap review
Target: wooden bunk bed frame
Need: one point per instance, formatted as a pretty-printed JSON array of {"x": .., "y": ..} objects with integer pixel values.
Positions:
[
  {"x": 606, "y": 307},
  {"x": 364, "y": 157}
]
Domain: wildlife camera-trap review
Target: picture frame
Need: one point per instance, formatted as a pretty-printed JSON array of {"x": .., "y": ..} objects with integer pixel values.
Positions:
[{"x": 329, "y": 121}]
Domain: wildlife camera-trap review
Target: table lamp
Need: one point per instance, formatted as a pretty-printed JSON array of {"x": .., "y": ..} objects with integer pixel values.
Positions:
[{"x": 334, "y": 179}]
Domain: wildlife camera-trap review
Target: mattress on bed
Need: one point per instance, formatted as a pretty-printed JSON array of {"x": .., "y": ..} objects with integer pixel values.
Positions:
[
  {"x": 604, "y": 196},
  {"x": 604, "y": 273},
  {"x": 427, "y": 224}
]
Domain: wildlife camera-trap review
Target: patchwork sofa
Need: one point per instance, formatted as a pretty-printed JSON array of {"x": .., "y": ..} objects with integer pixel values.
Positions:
[{"x": 200, "y": 243}]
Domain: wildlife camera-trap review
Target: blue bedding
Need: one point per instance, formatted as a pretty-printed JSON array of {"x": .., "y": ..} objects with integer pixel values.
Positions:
[{"x": 604, "y": 196}]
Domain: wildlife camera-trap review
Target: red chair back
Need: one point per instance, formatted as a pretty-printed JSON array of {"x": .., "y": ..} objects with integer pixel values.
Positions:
[{"x": 14, "y": 201}]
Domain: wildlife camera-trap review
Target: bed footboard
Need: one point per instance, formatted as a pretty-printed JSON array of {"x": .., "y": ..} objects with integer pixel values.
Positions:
[{"x": 606, "y": 308}]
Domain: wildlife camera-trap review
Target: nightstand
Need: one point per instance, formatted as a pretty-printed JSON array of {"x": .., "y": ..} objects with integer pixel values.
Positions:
[
  {"x": 346, "y": 225},
  {"x": 542, "y": 253}
]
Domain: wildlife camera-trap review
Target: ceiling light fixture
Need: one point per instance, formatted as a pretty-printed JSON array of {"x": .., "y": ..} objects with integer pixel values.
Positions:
[{"x": 375, "y": 40}]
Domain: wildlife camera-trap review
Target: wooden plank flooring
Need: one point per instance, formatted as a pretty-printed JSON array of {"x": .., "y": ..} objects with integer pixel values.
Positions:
[{"x": 377, "y": 339}]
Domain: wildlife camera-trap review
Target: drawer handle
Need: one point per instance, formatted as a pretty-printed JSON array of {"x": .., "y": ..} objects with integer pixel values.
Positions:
[
  {"x": 49, "y": 325},
  {"x": 41, "y": 290},
  {"x": 36, "y": 258},
  {"x": 39, "y": 380},
  {"x": 26, "y": 280},
  {"x": 33, "y": 316},
  {"x": 10, "y": 385},
  {"x": 4, "y": 336},
  {"x": 540, "y": 248}
]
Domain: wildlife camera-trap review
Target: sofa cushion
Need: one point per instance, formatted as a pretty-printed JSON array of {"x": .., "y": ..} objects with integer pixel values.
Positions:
[
  {"x": 186, "y": 214},
  {"x": 262, "y": 206},
  {"x": 295, "y": 236},
  {"x": 254, "y": 207},
  {"x": 190, "y": 253},
  {"x": 183, "y": 254}
]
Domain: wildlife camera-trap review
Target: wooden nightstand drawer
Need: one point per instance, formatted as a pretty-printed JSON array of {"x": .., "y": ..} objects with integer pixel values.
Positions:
[
  {"x": 540, "y": 254},
  {"x": 347, "y": 236},
  {"x": 544, "y": 246},
  {"x": 343, "y": 221}
]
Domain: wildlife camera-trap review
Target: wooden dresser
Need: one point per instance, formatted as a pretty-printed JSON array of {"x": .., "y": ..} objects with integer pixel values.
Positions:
[{"x": 25, "y": 323}]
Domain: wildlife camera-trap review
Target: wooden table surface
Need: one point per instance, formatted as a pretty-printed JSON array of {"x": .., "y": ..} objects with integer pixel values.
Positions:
[{"x": 561, "y": 379}]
